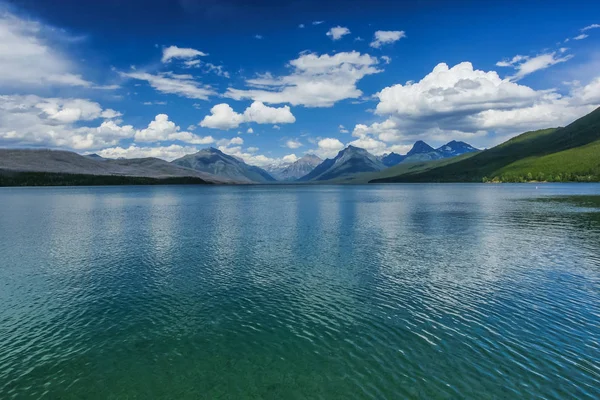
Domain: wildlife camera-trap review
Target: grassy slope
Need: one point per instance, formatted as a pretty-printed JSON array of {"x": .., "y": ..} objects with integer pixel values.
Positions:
[
  {"x": 580, "y": 163},
  {"x": 568, "y": 151}
]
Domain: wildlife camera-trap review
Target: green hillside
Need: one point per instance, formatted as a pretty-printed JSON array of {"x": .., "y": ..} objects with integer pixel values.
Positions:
[
  {"x": 569, "y": 154},
  {"x": 400, "y": 169}
]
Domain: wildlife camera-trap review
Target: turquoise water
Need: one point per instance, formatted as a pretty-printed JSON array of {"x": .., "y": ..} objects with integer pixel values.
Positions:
[{"x": 300, "y": 292}]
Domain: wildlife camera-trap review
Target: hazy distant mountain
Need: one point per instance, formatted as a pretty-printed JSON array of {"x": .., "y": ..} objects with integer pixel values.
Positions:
[
  {"x": 216, "y": 162},
  {"x": 349, "y": 161},
  {"x": 295, "y": 170},
  {"x": 66, "y": 162},
  {"x": 392, "y": 159}
]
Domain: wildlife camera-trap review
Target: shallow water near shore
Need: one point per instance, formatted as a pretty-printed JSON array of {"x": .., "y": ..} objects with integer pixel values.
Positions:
[{"x": 300, "y": 292}]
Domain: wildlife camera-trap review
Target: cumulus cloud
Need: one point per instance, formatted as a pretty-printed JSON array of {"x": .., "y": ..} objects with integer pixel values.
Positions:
[
  {"x": 386, "y": 37},
  {"x": 168, "y": 153},
  {"x": 338, "y": 32},
  {"x": 464, "y": 103},
  {"x": 315, "y": 80},
  {"x": 174, "y": 52},
  {"x": 525, "y": 65},
  {"x": 223, "y": 117},
  {"x": 54, "y": 122},
  {"x": 261, "y": 114},
  {"x": 161, "y": 130},
  {"x": 28, "y": 59},
  {"x": 328, "y": 147},
  {"x": 250, "y": 130},
  {"x": 293, "y": 144},
  {"x": 182, "y": 85}
]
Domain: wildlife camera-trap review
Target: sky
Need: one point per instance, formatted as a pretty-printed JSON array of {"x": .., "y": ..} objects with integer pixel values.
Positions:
[{"x": 270, "y": 81}]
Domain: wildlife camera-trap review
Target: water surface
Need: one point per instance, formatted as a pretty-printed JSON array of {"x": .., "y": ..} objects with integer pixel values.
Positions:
[{"x": 300, "y": 292}]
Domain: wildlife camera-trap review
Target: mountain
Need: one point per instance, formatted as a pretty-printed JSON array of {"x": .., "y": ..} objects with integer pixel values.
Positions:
[
  {"x": 349, "y": 161},
  {"x": 295, "y": 170},
  {"x": 455, "y": 148},
  {"x": 392, "y": 159},
  {"x": 29, "y": 162},
  {"x": 217, "y": 163},
  {"x": 557, "y": 154},
  {"x": 422, "y": 152}
]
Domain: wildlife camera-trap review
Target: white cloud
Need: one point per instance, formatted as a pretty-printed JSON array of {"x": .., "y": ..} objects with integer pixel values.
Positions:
[
  {"x": 238, "y": 141},
  {"x": 289, "y": 159},
  {"x": 28, "y": 59},
  {"x": 261, "y": 114},
  {"x": 342, "y": 129},
  {"x": 161, "y": 130},
  {"x": 258, "y": 37},
  {"x": 174, "y": 52},
  {"x": 301, "y": 26},
  {"x": 250, "y": 130},
  {"x": 526, "y": 65},
  {"x": 386, "y": 37},
  {"x": 328, "y": 147},
  {"x": 593, "y": 26},
  {"x": 448, "y": 90},
  {"x": 317, "y": 22},
  {"x": 463, "y": 103},
  {"x": 52, "y": 122},
  {"x": 170, "y": 83},
  {"x": 338, "y": 32},
  {"x": 168, "y": 153},
  {"x": 373, "y": 146},
  {"x": 252, "y": 149},
  {"x": 386, "y": 59},
  {"x": 580, "y": 37},
  {"x": 224, "y": 117},
  {"x": 293, "y": 144},
  {"x": 315, "y": 81}
]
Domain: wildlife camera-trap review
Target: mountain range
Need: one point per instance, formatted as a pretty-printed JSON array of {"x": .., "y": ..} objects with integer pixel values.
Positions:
[
  {"x": 349, "y": 161},
  {"x": 16, "y": 163},
  {"x": 556, "y": 154},
  {"x": 217, "y": 163},
  {"x": 295, "y": 170},
  {"x": 421, "y": 151}
]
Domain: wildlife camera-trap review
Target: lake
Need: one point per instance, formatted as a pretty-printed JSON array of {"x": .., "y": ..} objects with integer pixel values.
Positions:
[{"x": 300, "y": 292}]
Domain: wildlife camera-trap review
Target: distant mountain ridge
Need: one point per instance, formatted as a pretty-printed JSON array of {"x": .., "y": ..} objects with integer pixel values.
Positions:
[
  {"x": 217, "y": 163},
  {"x": 421, "y": 151},
  {"x": 295, "y": 170},
  {"x": 350, "y": 160},
  {"x": 65, "y": 162}
]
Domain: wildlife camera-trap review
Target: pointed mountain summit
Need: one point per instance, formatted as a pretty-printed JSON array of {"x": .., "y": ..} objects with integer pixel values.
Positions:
[
  {"x": 349, "y": 161},
  {"x": 391, "y": 159},
  {"x": 420, "y": 147},
  {"x": 455, "y": 148},
  {"x": 216, "y": 162}
]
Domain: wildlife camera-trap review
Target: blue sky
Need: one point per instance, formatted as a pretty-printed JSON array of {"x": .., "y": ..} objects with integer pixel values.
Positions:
[{"x": 272, "y": 81}]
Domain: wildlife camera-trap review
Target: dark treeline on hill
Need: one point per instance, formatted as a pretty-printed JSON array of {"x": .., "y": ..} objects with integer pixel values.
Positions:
[
  {"x": 11, "y": 178},
  {"x": 569, "y": 154}
]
